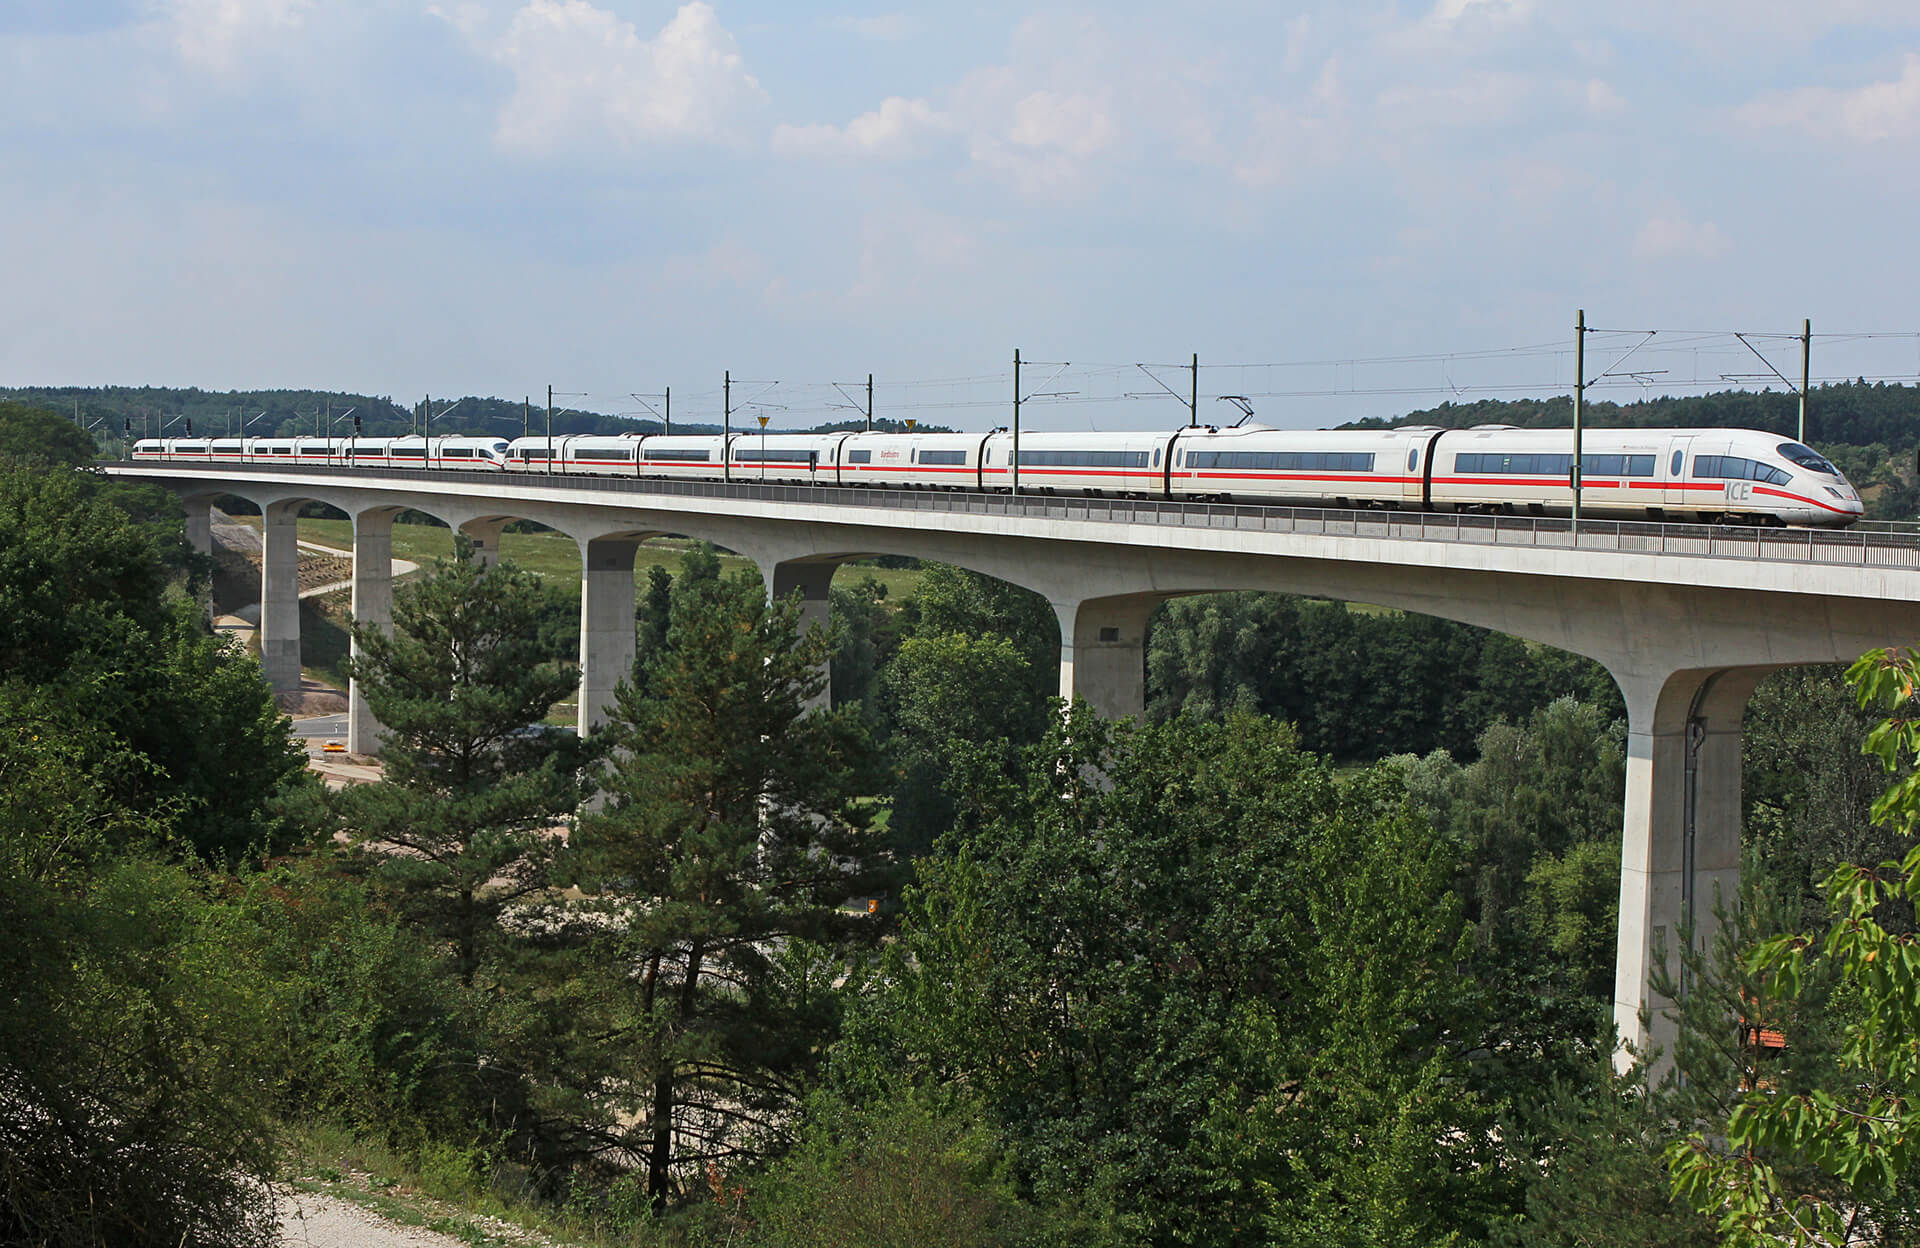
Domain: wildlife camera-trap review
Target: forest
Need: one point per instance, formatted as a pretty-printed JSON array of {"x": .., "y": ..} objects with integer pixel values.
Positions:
[{"x": 1317, "y": 952}]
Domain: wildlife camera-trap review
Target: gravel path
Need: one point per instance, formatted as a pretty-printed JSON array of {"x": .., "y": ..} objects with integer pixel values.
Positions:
[{"x": 309, "y": 1220}]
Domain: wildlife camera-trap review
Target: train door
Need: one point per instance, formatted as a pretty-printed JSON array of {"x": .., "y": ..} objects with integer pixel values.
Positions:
[{"x": 1676, "y": 495}]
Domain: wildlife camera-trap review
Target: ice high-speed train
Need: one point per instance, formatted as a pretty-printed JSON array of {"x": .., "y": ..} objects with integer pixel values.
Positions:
[{"x": 1739, "y": 476}]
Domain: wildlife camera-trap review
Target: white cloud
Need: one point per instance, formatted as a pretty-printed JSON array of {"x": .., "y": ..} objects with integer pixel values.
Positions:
[
  {"x": 728, "y": 261},
  {"x": 1283, "y": 141},
  {"x": 1075, "y": 123},
  {"x": 896, "y": 128},
  {"x": 218, "y": 34},
  {"x": 1675, "y": 238},
  {"x": 1871, "y": 114},
  {"x": 1482, "y": 99},
  {"x": 884, "y": 27},
  {"x": 1603, "y": 100},
  {"x": 1451, "y": 12},
  {"x": 583, "y": 75},
  {"x": 1299, "y": 31}
]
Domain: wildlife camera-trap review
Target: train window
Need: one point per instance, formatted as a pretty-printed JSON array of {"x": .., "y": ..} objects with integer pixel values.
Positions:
[
  {"x": 680, "y": 456},
  {"x": 283, "y": 450},
  {"x": 754, "y": 455},
  {"x": 616, "y": 452},
  {"x": 455, "y": 452},
  {"x": 533, "y": 452},
  {"x": 408, "y": 452},
  {"x": 1286, "y": 461},
  {"x": 363, "y": 452},
  {"x": 1734, "y": 468},
  {"x": 1554, "y": 465},
  {"x": 1413, "y": 459},
  {"x": 859, "y": 457},
  {"x": 226, "y": 448},
  {"x": 1673, "y": 470},
  {"x": 1183, "y": 460},
  {"x": 1083, "y": 459},
  {"x": 943, "y": 457},
  {"x": 1806, "y": 457},
  {"x": 1156, "y": 457},
  {"x": 189, "y": 448}
]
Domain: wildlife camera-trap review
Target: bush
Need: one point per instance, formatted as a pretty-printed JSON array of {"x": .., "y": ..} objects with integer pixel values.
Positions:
[{"x": 912, "y": 1170}]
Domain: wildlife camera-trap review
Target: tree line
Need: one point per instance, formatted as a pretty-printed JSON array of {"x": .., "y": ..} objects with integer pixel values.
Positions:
[{"x": 943, "y": 964}]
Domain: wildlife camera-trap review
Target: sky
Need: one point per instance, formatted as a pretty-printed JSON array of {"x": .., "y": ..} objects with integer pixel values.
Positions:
[{"x": 1345, "y": 209}]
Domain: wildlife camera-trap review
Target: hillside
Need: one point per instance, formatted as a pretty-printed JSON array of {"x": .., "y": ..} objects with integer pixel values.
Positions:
[{"x": 110, "y": 410}]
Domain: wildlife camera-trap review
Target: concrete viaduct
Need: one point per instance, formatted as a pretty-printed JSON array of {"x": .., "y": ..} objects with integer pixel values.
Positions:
[{"x": 1686, "y": 618}]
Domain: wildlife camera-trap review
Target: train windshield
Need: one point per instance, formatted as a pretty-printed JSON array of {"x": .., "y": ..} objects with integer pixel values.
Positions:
[{"x": 1807, "y": 457}]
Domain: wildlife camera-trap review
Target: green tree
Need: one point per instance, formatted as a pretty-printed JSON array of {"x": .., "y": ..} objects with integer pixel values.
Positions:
[
  {"x": 951, "y": 693},
  {"x": 1826, "y": 1155},
  {"x": 955, "y": 601},
  {"x": 34, "y": 435},
  {"x": 869, "y": 630},
  {"x": 1359, "y": 684},
  {"x": 1809, "y": 789},
  {"x": 1186, "y": 972},
  {"x": 138, "y": 1036},
  {"x": 718, "y": 876},
  {"x": 1590, "y": 1148},
  {"x": 88, "y": 616},
  {"x": 461, "y": 825}
]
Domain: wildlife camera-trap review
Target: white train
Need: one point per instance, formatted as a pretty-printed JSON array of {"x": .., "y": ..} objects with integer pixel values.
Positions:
[
  {"x": 1719, "y": 475},
  {"x": 460, "y": 451}
]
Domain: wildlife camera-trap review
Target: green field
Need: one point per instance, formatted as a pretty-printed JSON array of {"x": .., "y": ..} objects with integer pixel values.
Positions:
[{"x": 557, "y": 555}]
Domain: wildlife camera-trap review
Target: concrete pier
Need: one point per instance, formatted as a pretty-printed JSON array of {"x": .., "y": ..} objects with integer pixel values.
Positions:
[
  {"x": 280, "y": 595},
  {"x": 372, "y": 608}
]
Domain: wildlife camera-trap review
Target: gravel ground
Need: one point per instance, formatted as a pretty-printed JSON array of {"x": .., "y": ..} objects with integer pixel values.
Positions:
[{"x": 313, "y": 1221}]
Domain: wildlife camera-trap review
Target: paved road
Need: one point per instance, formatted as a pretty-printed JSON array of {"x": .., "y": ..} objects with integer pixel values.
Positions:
[{"x": 321, "y": 726}]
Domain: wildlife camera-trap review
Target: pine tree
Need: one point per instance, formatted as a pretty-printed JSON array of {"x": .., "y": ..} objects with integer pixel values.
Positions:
[
  {"x": 461, "y": 824},
  {"x": 718, "y": 876}
]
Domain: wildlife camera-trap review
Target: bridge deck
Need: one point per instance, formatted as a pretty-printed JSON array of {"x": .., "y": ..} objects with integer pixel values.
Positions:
[{"x": 1861, "y": 546}]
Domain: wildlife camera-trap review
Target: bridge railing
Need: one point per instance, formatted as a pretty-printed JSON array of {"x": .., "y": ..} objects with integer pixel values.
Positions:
[{"x": 1864, "y": 546}]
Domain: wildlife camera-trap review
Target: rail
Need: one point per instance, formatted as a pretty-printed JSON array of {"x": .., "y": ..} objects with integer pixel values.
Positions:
[{"x": 1852, "y": 547}]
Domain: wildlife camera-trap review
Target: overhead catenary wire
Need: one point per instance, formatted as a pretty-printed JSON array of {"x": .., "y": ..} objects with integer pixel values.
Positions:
[{"x": 1677, "y": 361}]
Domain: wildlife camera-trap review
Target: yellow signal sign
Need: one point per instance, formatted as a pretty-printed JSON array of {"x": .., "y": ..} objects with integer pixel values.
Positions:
[
  {"x": 763, "y": 421},
  {"x": 911, "y": 422}
]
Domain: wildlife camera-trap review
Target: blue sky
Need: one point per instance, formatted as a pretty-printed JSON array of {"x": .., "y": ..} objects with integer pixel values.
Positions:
[{"x": 615, "y": 196}]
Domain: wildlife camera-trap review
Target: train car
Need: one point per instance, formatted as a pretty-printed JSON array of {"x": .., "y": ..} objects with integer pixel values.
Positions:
[
  {"x": 1079, "y": 463},
  {"x": 946, "y": 461},
  {"x": 800, "y": 458},
  {"x": 1325, "y": 467},
  {"x": 627, "y": 455},
  {"x": 688, "y": 456},
  {"x": 574, "y": 453},
  {"x": 1734, "y": 475}
]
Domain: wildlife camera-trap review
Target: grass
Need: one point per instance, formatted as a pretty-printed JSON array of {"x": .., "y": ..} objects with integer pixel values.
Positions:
[
  {"x": 557, "y": 555},
  {"x": 454, "y": 1192}
]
